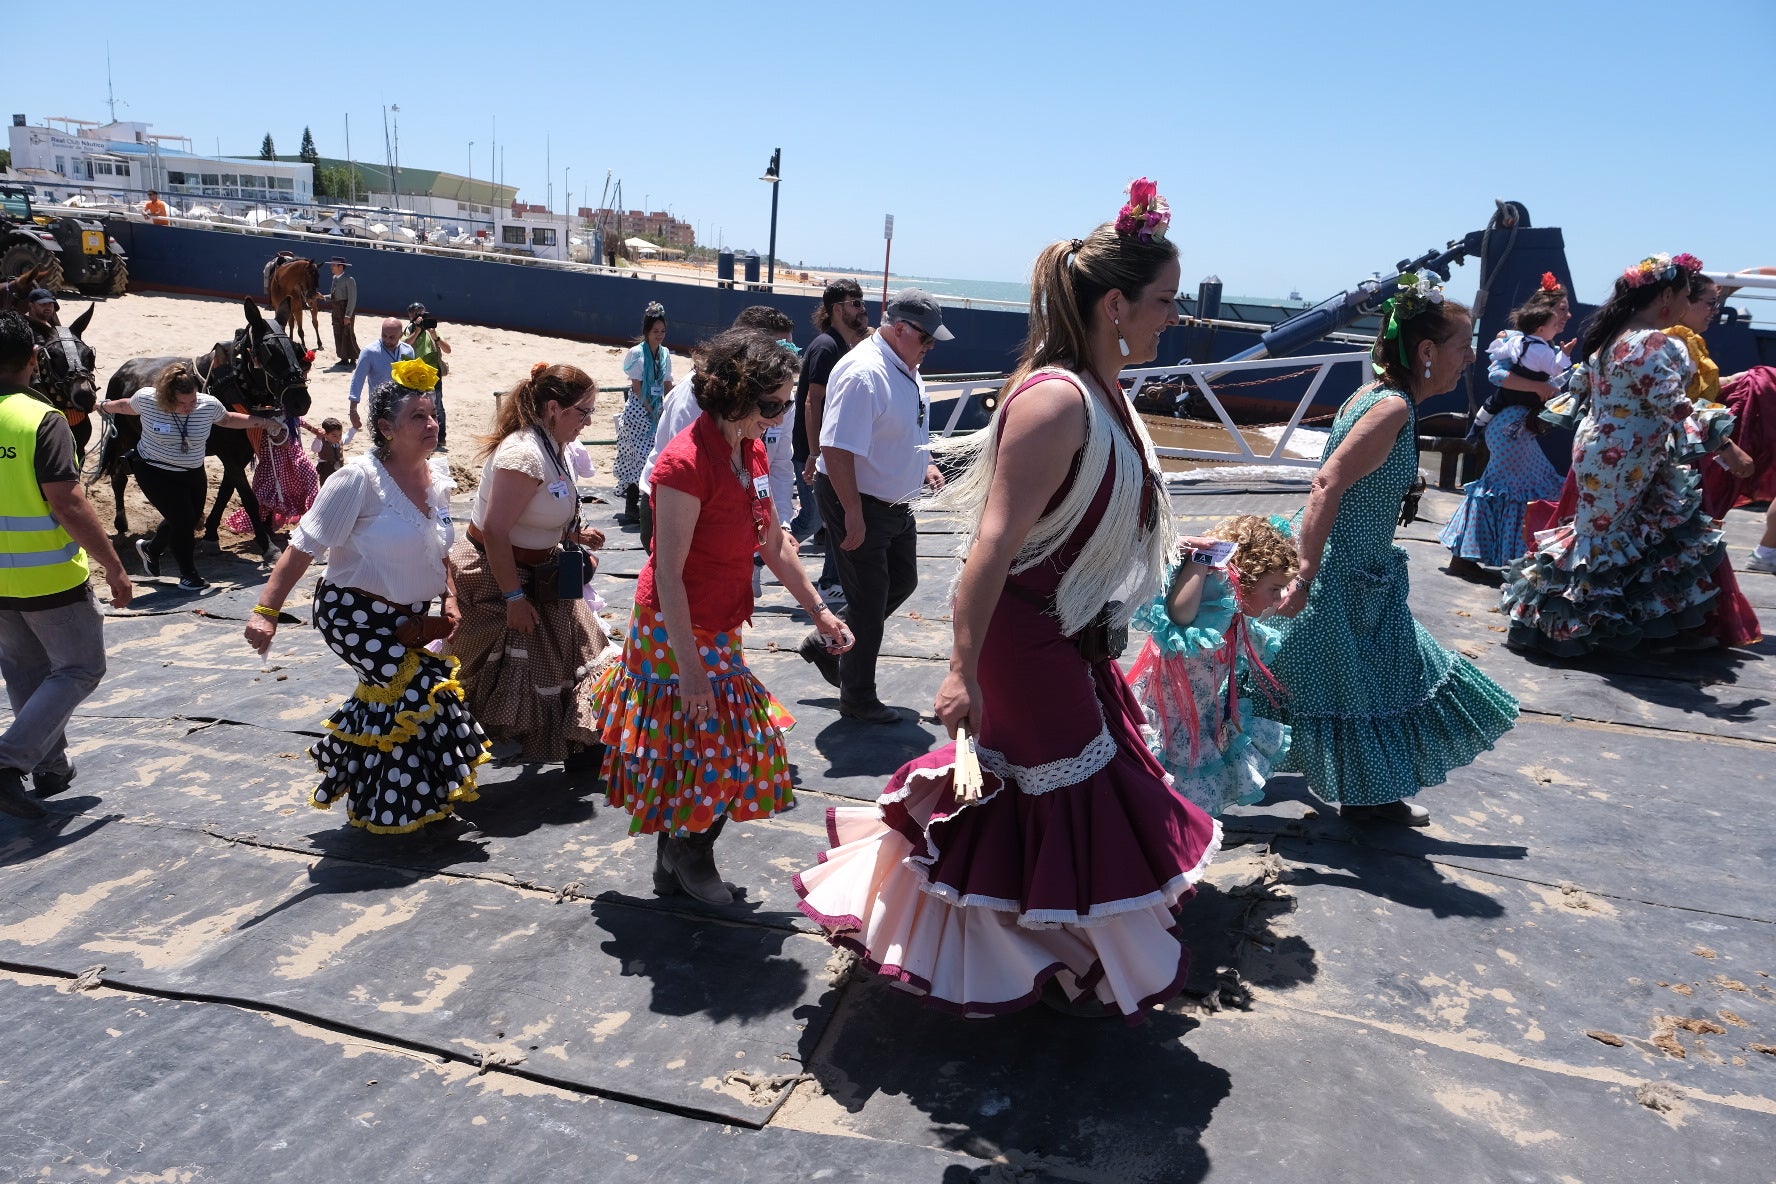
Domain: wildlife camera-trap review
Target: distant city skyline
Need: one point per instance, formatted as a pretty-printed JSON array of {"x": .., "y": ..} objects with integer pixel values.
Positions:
[{"x": 1302, "y": 147}]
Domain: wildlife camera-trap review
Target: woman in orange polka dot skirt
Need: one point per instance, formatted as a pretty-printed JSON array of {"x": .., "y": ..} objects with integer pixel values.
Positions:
[{"x": 691, "y": 744}]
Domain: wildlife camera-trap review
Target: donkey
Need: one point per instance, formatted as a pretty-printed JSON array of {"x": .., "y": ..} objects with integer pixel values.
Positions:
[
  {"x": 260, "y": 372},
  {"x": 293, "y": 283},
  {"x": 65, "y": 376}
]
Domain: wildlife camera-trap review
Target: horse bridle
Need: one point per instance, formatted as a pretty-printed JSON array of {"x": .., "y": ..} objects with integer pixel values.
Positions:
[
  {"x": 69, "y": 347},
  {"x": 246, "y": 359}
]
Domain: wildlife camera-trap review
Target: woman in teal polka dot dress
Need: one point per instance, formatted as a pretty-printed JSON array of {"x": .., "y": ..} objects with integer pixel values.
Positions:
[{"x": 1378, "y": 709}]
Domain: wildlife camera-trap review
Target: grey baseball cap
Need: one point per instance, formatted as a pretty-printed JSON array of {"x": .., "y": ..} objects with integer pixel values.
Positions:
[{"x": 918, "y": 308}]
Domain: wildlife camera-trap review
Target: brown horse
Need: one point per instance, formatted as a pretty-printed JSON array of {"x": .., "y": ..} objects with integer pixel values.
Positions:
[
  {"x": 15, "y": 293},
  {"x": 293, "y": 283}
]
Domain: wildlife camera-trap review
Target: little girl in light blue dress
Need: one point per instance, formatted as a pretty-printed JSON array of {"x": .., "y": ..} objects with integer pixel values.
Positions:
[{"x": 1204, "y": 647}]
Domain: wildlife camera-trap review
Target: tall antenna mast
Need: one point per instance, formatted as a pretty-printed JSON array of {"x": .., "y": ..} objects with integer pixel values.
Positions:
[{"x": 110, "y": 94}]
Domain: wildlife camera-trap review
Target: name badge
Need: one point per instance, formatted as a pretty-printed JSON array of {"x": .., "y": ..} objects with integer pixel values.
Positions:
[
  {"x": 761, "y": 487},
  {"x": 165, "y": 429},
  {"x": 559, "y": 489}
]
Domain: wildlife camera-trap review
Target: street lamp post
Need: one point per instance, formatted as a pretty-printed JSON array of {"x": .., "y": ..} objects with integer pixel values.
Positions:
[
  {"x": 773, "y": 175},
  {"x": 471, "y": 160}
]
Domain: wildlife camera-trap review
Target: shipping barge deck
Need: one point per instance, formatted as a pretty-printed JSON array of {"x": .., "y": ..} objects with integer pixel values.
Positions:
[{"x": 1568, "y": 977}]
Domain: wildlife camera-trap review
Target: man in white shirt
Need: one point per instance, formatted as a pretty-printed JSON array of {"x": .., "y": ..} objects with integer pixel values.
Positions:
[
  {"x": 680, "y": 411},
  {"x": 873, "y": 463}
]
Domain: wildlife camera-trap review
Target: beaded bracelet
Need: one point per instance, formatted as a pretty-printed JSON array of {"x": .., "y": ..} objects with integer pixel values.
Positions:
[{"x": 265, "y": 610}]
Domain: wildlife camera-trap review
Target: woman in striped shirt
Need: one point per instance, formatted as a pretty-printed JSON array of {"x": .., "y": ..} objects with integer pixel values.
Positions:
[{"x": 176, "y": 423}]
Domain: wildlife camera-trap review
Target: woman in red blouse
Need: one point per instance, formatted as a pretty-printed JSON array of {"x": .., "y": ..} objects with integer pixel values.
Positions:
[{"x": 689, "y": 748}]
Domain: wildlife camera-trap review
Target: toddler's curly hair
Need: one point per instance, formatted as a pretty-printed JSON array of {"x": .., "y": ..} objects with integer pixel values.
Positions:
[{"x": 1261, "y": 548}]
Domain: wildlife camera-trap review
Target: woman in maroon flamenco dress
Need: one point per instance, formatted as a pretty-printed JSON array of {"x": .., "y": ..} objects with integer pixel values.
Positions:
[{"x": 1061, "y": 882}]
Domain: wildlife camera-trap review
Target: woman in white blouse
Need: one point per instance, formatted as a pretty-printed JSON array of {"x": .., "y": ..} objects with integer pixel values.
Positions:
[
  {"x": 529, "y": 644},
  {"x": 403, "y": 749}
]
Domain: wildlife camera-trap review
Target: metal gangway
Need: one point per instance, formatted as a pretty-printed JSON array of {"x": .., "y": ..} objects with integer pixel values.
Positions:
[{"x": 1202, "y": 377}]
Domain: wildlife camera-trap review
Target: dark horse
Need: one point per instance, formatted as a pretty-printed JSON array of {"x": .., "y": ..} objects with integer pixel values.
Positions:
[
  {"x": 293, "y": 283},
  {"x": 15, "y": 293},
  {"x": 65, "y": 376},
  {"x": 260, "y": 372}
]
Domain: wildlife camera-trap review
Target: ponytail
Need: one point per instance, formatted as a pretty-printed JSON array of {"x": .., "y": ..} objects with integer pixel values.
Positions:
[{"x": 1068, "y": 280}]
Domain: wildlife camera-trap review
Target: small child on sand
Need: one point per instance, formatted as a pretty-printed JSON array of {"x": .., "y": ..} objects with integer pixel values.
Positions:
[
  {"x": 329, "y": 445},
  {"x": 1203, "y": 644}
]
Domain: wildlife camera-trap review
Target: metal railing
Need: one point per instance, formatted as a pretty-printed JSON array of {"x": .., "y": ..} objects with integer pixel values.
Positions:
[{"x": 1200, "y": 375}]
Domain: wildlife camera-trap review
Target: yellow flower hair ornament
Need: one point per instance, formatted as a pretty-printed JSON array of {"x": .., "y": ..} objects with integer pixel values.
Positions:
[{"x": 415, "y": 375}]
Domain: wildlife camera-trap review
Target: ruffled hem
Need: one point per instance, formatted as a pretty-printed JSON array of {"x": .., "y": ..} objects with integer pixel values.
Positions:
[
  {"x": 1647, "y": 581},
  {"x": 924, "y": 889},
  {"x": 468, "y": 791},
  {"x": 1236, "y": 777},
  {"x": 401, "y": 767},
  {"x": 978, "y": 954},
  {"x": 671, "y": 775},
  {"x": 1381, "y": 759},
  {"x": 1206, "y": 633},
  {"x": 1488, "y": 527}
]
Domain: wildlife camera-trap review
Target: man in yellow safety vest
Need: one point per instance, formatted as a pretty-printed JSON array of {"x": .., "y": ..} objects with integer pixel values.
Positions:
[{"x": 52, "y": 644}]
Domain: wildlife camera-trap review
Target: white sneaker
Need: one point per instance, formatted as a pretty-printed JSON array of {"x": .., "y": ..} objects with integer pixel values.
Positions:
[
  {"x": 833, "y": 594},
  {"x": 1758, "y": 563}
]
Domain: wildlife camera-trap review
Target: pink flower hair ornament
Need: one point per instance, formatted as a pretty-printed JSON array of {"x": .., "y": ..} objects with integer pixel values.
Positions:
[
  {"x": 1146, "y": 216},
  {"x": 1660, "y": 267}
]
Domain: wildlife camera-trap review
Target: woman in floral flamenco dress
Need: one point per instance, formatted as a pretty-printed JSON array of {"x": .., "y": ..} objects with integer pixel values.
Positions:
[
  {"x": 1636, "y": 561},
  {"x": 1060, "y": 880}
]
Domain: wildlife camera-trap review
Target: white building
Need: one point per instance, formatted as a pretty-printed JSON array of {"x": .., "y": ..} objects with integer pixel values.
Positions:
[{"x": 127, "y": 159}]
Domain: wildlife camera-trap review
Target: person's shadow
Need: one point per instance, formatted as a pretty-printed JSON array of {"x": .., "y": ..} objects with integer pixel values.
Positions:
[
  {"x": 1033, "y": 1088},
  {"x": 22, "y": 840},
  {"x": 701, "y": 966},
  {"x": 1400, "y": 872}
]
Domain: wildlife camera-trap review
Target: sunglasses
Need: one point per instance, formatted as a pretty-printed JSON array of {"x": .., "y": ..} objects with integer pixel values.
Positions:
[
  {"x": 854, "y": 302},
  {"x": 772, "y": 408},
  {"x": 582, "y": 412}
]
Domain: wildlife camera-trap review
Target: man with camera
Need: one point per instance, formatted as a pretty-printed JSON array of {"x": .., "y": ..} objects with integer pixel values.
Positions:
[{"x": 428, "y": 347}]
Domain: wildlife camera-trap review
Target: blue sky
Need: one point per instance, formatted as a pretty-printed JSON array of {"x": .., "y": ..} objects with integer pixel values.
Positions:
[{"x": 1302, "y": 145}]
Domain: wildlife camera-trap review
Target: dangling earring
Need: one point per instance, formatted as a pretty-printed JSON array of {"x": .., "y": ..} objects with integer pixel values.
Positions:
[
  {"x": 1121, "y": 341},
  {"x": 1427, "y": 369}
]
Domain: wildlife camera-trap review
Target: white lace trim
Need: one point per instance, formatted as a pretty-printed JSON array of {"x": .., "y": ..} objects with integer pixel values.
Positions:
[{"x": 1040, "y": 779}]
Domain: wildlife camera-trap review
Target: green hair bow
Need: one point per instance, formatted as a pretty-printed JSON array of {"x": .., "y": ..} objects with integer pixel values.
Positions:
[{"x": 1391, "y": 328}]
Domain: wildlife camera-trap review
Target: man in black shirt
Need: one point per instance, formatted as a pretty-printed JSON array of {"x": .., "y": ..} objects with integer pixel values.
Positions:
[
  {"x": 842, "y": 322},
  {"x": 52, "y": 647}
]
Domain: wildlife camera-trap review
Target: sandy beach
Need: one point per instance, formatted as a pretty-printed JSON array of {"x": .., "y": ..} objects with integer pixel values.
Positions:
[{"x": 482, "y": 361}]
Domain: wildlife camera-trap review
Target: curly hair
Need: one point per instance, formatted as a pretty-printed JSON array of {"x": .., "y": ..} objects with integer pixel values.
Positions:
[
  {"x": 737, "y": 367},
  {"x": 527, "y": 404},
  {"x": 1260, "y": 547},
  {"x": 386, "y": 402}
]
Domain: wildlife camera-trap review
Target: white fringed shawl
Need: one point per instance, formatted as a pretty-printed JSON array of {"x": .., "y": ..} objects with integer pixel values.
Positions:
[{"x": 1121, "y": 561}]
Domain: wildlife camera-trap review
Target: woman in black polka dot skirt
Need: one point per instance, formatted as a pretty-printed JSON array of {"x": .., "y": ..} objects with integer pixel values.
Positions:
[{"x": 403, "y": 749}]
